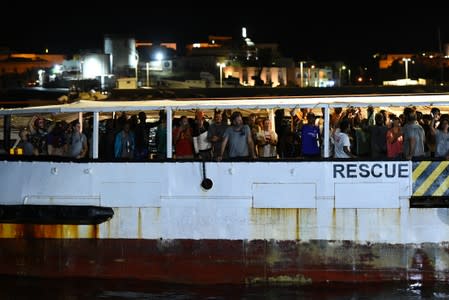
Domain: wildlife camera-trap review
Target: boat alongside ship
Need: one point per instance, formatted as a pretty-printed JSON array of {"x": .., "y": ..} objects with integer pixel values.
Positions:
[{"x": 276, "y": 221}]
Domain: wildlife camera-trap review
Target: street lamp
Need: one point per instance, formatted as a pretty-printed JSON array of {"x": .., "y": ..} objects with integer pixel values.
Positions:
[
  {"x": 309, "y": 74},
  {"x": 301, "y": 70},
  {"x": 221, "y": 65},
  {"x": 41, "y": 74},
  {"x": 159, "y": 56},
  {"x": 315, "y": 83},
  {"x": 137, "y": 69},
  {"x": 406, "y": 60},
  {"x": 339, "y": 74},
  {"x": 147, "y": 65}
]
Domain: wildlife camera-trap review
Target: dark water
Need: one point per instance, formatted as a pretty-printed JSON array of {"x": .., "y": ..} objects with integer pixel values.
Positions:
[{"x": 74, "y": 289}]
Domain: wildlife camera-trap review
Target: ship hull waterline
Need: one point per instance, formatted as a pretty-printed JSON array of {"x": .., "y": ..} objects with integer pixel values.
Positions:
[{"x": 224, "y": 261}]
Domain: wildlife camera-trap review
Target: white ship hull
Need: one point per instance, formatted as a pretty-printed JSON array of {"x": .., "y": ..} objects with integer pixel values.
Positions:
[{"x": 291, "y": 222}]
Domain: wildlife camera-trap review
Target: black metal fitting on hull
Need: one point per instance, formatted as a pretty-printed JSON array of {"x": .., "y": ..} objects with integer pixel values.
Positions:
[
  {"x": 429, "y": 202},
  {"x": 55, "y": 214}
]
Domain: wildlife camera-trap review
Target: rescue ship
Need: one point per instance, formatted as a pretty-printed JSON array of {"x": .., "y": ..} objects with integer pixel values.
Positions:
[{"x": 277, "y": 221}]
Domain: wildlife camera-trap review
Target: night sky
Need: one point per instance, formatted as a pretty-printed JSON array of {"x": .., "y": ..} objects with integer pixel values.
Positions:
[{"x": 320, "y": 32}]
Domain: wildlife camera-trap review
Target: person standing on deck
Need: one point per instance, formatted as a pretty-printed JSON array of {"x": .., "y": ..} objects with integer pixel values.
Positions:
[
  {"x": 395, "y": 139},
  {"x": 78, "y": 142},
  {"x": 25, "y": 144},
  {"x": 161, "y": 136},
  {"x": 254, "y": 127},
  {"x": 378, "y": 137},
  {"x": 342, "y": 142},
  {"x": 441, "y": 136},
  {"x": 216, "y": 132},
  {"x": 201, "y": 144},
  {"x": 310, "y": 138},
  {"x": 267, "y": 140},
  {"x": 38, "y": 134},
  {"x": 241, "y": 144},
  {"x": 414, "y": 136},
  {"x": 142, "y": 131},
  {"x": 125, "y": 143},
  {"x": 183, "y": 139},
  {"x": 142, "y": 134}
]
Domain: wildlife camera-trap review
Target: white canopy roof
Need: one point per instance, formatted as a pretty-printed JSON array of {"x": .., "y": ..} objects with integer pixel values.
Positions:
[{"x": 240, "y": 103}]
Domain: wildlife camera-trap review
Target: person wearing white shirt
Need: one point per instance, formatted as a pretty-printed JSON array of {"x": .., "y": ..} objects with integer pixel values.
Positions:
[{"x": 342, "y": 142}]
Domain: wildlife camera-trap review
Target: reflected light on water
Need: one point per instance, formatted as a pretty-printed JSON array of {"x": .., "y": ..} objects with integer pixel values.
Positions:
[{"x": 85, "y": 289}]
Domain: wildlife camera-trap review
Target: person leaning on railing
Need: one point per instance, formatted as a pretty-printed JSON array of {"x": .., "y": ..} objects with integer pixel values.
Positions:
[
  {"x": 441, "y": 136},
  {"x": 241, "y": 144},
  {"x": 78, "y": 142},
  {"x": 414, "y": 136},
  {"x": 342, "y": 142}
]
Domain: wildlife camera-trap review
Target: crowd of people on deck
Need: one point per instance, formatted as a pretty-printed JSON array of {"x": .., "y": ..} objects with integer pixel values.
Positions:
[
  {"x": 354, "y": 133},
  {"x": 381, "y": 135}
]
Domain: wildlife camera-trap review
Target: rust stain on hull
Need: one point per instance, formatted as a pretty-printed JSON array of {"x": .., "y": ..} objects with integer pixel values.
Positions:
[
  {"x": 139, "y": 224},
  {"x": 223, "y": 261},
  {"x": 284, "y": 221},
  {"x": 38, "y": 231},
  {"x": 298, "y": 227},
  {"x": 93, "y": 232}
]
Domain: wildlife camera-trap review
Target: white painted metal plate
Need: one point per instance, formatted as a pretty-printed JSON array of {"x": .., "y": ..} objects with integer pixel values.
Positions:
[
  {"x": 366, "y": 195},
  {"x": 131, "y": 194},
  {"x": 284, "y": 195}
]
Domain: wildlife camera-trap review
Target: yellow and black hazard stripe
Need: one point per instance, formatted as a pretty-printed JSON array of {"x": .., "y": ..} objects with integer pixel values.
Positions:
[
  {"x": 430, "y": 184},
  {"x": 431, "y": 178}
]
